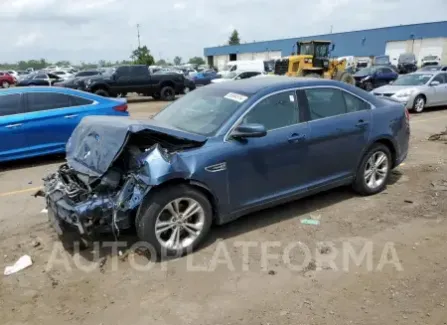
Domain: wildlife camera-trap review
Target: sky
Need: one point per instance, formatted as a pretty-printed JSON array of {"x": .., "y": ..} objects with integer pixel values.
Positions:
[{"x": 93, "y": 30}]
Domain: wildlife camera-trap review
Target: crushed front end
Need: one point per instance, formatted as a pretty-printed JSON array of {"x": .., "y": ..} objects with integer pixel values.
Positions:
[{"x": 108, "y": 173}]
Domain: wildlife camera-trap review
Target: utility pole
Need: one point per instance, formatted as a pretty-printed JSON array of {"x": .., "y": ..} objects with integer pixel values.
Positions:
[
  {"x": 138, "y": 35},
  {"x": 331, "y": 29}
]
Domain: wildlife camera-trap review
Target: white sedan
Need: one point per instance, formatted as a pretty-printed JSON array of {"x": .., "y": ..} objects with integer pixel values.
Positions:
[{"x": 237, "y": 76}]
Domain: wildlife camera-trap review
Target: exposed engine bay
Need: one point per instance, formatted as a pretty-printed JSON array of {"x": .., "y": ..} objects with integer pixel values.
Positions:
[{"x": 109, "y": 202}]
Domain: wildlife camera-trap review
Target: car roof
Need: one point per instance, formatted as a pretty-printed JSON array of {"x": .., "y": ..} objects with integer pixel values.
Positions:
[
  {"x": 46, "y": 89},
  {"x": 251, "y": 86}
]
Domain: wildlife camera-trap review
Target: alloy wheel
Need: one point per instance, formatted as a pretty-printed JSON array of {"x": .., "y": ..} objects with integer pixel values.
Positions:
[
  {"x": 5, "y": 84},
  {"x": 179, "y": 223},
  {"x": 419, "y": 104},
  {"x": 376, "y": 170}
]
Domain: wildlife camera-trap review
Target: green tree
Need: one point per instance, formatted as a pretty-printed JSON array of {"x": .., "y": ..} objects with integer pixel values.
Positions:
[
  {"x": 197, "y": 60},
  {"x": 177, "y": 60},
  {"x": 142, "y": 55},
  {"x": 161, "y": 62},
  {"x": 234, "y": 38}
]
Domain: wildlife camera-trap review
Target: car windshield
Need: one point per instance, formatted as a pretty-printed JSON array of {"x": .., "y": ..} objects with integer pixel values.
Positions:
[
  {"x": 431, "y": 68},
  {"x": 416, "y": 79},
  {"x": 430, "y": 57},
  {"x": 381, "y": 60},
  {"x": 408, "y": 57},
  {"x": 202, "y": 111},
  {"x": 228, "y": 67},
  {"x": 364, "y": 71},
  {"x": 230, "y": 75}
]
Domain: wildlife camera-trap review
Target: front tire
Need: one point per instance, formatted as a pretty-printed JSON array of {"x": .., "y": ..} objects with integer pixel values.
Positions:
[
  {"x": 102, "y": 92},
  {"x": 369, "y": 86},
  {"x": 5, "y": 84},
  {"x": 419, "y": 104},
  {"x": 374, "y": 171},
  {"x": 174, "y": 220},
  {"x": 167, "y": 93}
]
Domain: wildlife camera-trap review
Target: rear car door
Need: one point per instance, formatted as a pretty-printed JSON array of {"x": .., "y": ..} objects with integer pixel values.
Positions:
[
  {"x": 12, "y": 136},
  {"x": 440, "y": 91},
  {"x": 267, "y": 168},
  {"x": 51, "y": 119},
  {"x": 123, "y": 79},
  {"x": 339, "y": 126},
  {"x": 139, "y": 79}
]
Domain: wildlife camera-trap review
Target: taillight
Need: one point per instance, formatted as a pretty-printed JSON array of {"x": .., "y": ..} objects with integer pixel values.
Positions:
[
  {"x": 407, "y": 114},
  {"x": 121, "y": 108}
]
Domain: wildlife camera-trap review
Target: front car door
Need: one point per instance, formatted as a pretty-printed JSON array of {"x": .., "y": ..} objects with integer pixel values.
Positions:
[
  {"x": 11, "y": 125},
  {"x": 339, "y": 126},
  {"x": 274, "y": 166},
  {"x": 122, "y": 79}
]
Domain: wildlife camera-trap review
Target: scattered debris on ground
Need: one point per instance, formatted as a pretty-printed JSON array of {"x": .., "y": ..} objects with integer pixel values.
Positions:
[
  {"x": 439, "y": 136},
  {"x": 21, "y": 264}
]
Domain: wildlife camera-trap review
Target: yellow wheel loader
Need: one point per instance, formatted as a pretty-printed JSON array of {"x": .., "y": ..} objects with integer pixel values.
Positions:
[{"x": 312, "y": 60}]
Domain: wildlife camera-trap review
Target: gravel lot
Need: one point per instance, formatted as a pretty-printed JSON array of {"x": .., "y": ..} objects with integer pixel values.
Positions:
[{"x": 402, "y": 280}]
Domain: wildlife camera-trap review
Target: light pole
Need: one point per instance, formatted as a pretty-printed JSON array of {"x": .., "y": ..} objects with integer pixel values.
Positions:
[{"x": 138, "y": 35}]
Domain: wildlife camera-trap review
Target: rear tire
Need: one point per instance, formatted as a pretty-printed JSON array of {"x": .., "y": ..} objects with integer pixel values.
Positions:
[
  {"x": 369, "y": 86},
  {"x": 374, "y": 170},
  {"x": 102, "y": 92},
  {"x": 155, "y": 211},
  {"x": 167, "y": 93},
  {"x": 418, "y": 104}
]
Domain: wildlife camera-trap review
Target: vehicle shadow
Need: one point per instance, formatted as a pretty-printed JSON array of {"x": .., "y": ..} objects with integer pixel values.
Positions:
[{"x": 31, "y": 162}]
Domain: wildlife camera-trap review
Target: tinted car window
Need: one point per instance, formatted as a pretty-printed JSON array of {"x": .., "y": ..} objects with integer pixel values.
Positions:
[
  {"x": 78, "y": 101},
  {"x": 87, "y": 73},
  {"x": 40, "y": 76},
  {"x": 354, "y": 104},
  {"x": 139, "y": 71},
  {"x": 9, "y": 104},
  {"x": 275, "y": 111},
  {"x": 440, "y": 77},
  {"x": 123, "y": 71},
  {"x": 44, "y": 101},
  {"x": 325, "y": 102}
]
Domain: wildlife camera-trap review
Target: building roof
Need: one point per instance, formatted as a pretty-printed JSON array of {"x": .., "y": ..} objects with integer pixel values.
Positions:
[{"x": 359, "y": 43}]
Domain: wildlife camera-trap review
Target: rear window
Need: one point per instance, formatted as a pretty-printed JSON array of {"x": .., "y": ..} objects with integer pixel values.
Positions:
[{"x": 9, "y": 104}]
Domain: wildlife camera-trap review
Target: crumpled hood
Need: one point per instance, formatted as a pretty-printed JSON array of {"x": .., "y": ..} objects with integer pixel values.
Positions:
[{"x": 98, "y": 140}]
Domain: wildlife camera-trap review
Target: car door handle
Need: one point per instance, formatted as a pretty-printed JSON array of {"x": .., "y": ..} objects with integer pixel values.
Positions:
[
  {"x": 296, "y": 137},
  {"x": 11, "y": 126},
  {"x": 71, "y": 116},
  {"x": 362, "y": 124}
]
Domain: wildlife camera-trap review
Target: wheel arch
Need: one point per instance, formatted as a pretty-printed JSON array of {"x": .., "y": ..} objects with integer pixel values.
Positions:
[
  {"x": 386, "y": 141},
  {"x": 196, "y": 184}
]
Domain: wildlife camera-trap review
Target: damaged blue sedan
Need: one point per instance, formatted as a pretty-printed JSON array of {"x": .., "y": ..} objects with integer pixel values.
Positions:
[{"x": 221, "y": 152}]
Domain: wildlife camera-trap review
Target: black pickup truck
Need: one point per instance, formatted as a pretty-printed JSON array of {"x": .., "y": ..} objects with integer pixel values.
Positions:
[{"x": 138, "y": 79}]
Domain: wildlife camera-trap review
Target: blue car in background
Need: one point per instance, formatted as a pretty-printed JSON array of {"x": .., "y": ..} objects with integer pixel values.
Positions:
[
  {"x": 375, "y": 76},
  {"x": 36, "y": 121},
  {"x": 204, "y": 78},
  {"x": 223, "y": 151}
]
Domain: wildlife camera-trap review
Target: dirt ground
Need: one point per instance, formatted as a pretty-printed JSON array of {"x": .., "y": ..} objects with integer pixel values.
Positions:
[{"x": 402, "y": 278}]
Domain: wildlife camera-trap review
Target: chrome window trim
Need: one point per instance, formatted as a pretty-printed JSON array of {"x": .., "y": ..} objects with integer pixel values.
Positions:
[{"x": 294, "y": 89}]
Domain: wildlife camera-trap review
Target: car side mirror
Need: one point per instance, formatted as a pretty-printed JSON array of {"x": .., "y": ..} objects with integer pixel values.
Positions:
[
  {"x": 249, "y": 130},
  {"x": 435, "y": 83}
]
